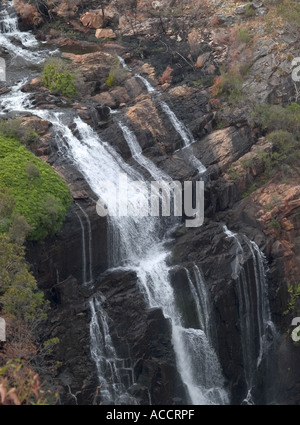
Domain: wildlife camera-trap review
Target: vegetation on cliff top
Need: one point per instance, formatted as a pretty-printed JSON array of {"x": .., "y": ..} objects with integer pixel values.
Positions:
[
  {"x": 59, "y": 78},
  {"x": 33, "y": 204},
  {"x": 30, "y": 188}
]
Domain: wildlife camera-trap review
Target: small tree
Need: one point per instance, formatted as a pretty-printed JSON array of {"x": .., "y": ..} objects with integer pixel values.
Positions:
[
  {"x": 51, "y": 216},
  {"x": 32, "y": 171},
  {"x": 58, "y": 77},
  {"x": 19, "y": 229}
]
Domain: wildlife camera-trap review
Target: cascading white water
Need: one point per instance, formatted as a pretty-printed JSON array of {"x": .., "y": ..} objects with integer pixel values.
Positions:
[
  {"x": 136, "y": 152},
  {"x": 84, "y": 278},
  {"x": 149, "y": 87},
  {"x": 238, "y": 255},
  {"x": 148, "y": 256},
  {"x": 265, "y": 324},
  {"x": 178, "y": 125},
  {"x": 87, "y": 273},
  {"x": 9, "y": 31},
  {"x": 87, "y": 278},
  {"x": 15, "y": 100},
  {"x": 257, "y": 329},
  {"x": 205, "y": 304},
  {"x": 191, "y": 345},
  {"x": 180, "y": 128},
  {"x": 111, "y": 387},
  {"x": 210, "y": 374},
  {"x": 136, "y": 242}
]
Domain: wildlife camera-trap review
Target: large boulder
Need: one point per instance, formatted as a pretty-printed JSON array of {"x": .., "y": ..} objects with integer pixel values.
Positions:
[{"x": 93, "y": 19}]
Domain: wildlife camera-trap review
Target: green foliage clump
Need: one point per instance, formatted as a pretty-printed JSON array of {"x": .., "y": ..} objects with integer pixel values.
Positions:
[
  {"x": 32, "y": 171},
  {"x": 15, "y": 128},
  {"x": 289, "y": 10},
  {"x": 282, "y": 140},
  {"x": 274, "y": 223},
  {"x": 58, "y": 77},
  {"x": 233, "y": 172},
  {"x": 282, "y": 125},
  {"x": 276, "y": 117},
  {"x": 30, "y": 188},
  {"x": 244, "y": 36},
  {"x": 294, "y": 294},
  {"x": 252, "y": 188},
  {"x": 229, "y": 85},
  {"x": 110, "y": 81},
  {"x": 117, "y": 75},
  {"x": 250, "y": 10},
  {"x": 20, "y": 297}
]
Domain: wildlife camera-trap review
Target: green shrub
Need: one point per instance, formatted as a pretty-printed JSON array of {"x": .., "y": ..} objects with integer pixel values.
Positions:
[
  {"x": 276, "y": 117},
  {"x": 110, "y": 81},
  {"x": 275, "y": 223},
  {"x": 15, "y": 128},
  {"x": 229, "y": 85},
  {"x": 250, "y": 10},
  {"x": 233, "y": 173},
  {"x": 32, "y": 171},
  {"x": 59, "y": 78},
  {"x": 32, "y": 191},
  {"x": 289, "y": 10},
  {"x": 244, "y": 36},
  {"x": 294, "y": 294},
  {"x": 282, "y": 140},
  {"x": 117, "y": 75},
  {"x": 19, "y": 229},
  {"x": 252, "y": 188}
]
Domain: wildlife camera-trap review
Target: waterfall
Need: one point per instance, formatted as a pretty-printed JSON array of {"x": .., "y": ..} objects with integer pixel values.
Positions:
[
  {"x": 179, "y": 126},
  {"x": 84, "y": 279},
  {"x": 149, "y": 87},
  {"x": 15, "y": 100},
  {"x": 209, "y": 373},
  {"x": 136, "y": 152},
  {"x": 204, "y": 303},
  {"x": 89, "y": 279},
  {"x": 258, "y": 332},
  {"x": 147, "y": 257},
  {"x": 9, "y": 31},
  {"x": 111, "y": 388},
  {"x": 138, "y": 243},
  {"x": 238, "y": 254}
]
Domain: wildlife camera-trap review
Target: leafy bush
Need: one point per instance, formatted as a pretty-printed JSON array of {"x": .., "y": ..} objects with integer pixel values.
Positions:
[
  {"x": 244, "y": 36},
  {"x": 32, "y": 171},
  {"x": 14, "y": 128},
  {"x": 117, "y": 75},
  {"x": 282, "y": 140},
  {"x": 276, "y": 117},
  {"x": 294, "y": 294},
  {"x": 110, "y": 81},
  {"x": 32, "y": 196},
  {"x": 289, "y": 10},
  {"x": 229, "y": 85},
  {"x": 250, "y": 10},
  {"x": 59, "y": 78},
  {"x": 19, "y": 229},
  {"x": 274, "y": 223}
]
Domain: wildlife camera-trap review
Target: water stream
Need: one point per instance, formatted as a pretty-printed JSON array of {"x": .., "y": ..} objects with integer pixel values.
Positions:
[{"x": 135, "y": 242}]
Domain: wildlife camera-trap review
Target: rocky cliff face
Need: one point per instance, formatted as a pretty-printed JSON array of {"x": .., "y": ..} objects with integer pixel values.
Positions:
[{"x": 225, "y": 141}]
